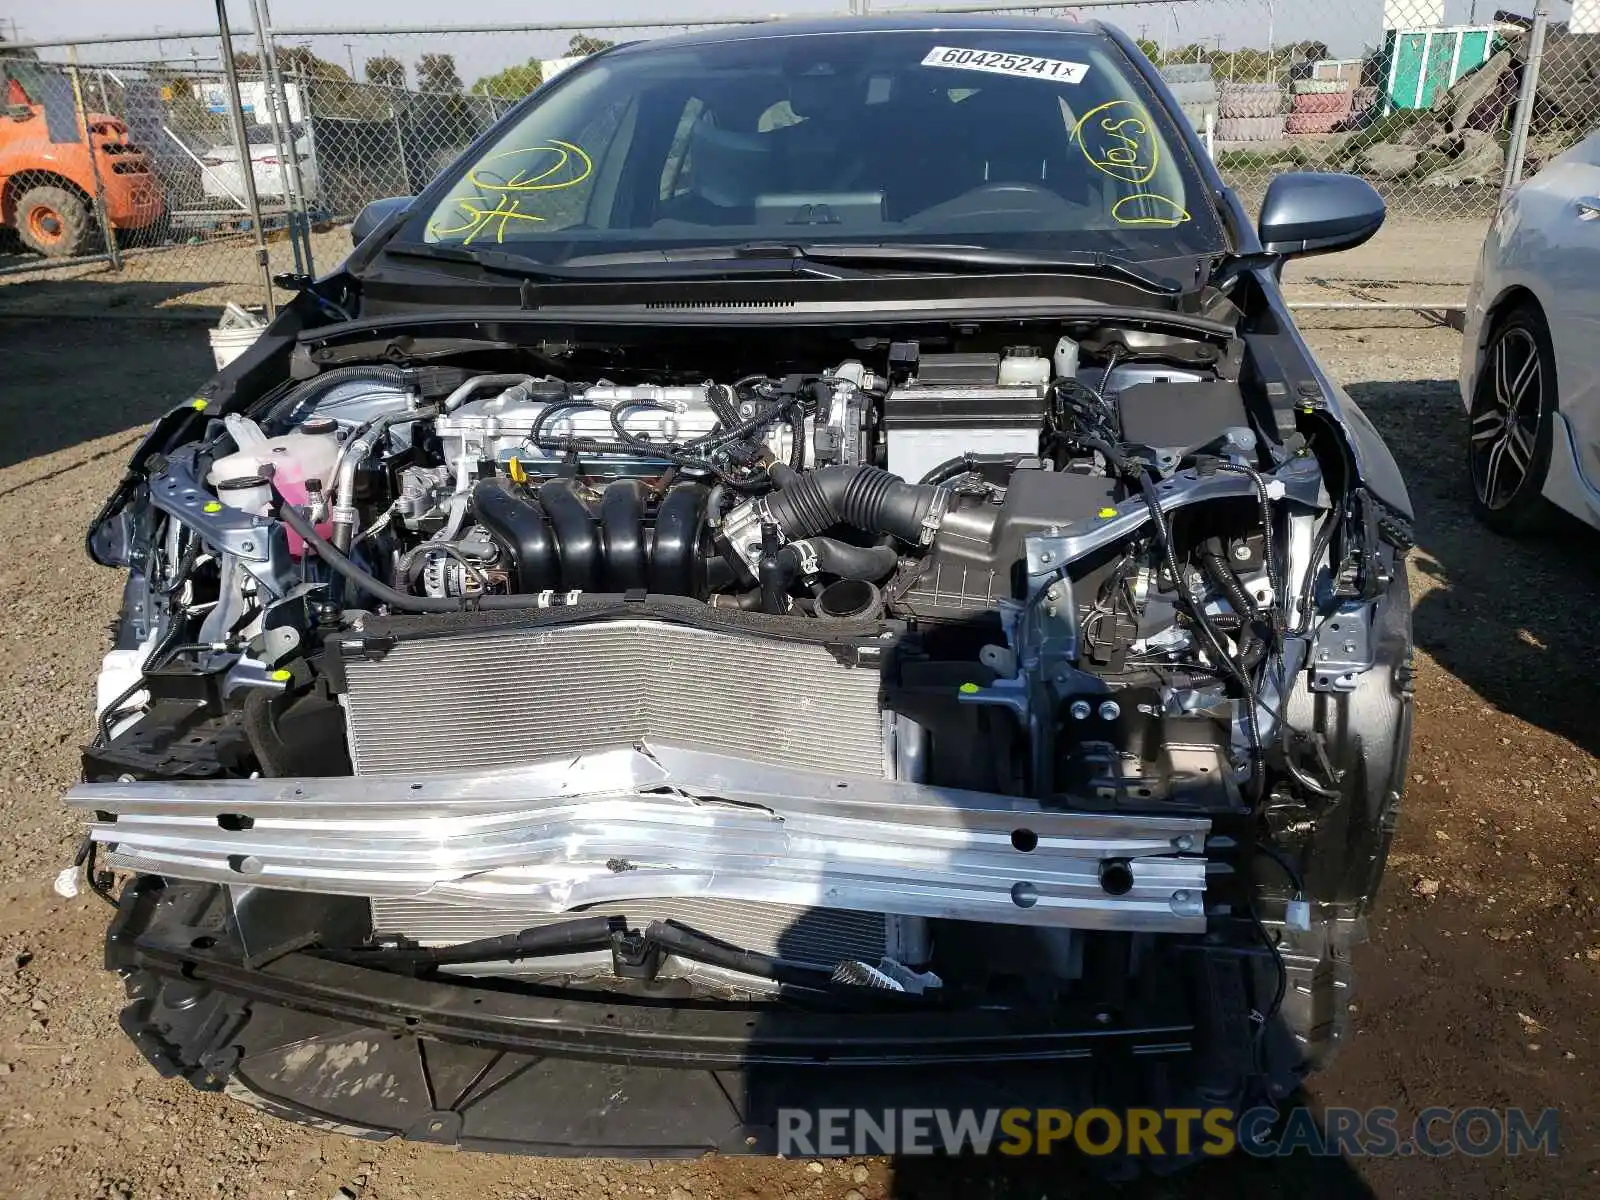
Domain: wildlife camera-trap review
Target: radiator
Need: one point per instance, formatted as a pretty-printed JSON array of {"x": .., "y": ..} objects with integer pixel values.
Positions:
[{"x": 506, "y": 696}]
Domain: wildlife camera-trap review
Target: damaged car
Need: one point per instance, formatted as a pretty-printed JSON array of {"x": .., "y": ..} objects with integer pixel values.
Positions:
[{"x": 811, "y": 568}]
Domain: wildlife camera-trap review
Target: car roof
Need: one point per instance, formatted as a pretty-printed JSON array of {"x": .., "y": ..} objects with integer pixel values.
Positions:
[{"x": 846, "y": 25}]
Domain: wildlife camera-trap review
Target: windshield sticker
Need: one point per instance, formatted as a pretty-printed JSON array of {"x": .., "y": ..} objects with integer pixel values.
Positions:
[
  {"x": 500, "y": 196},
  {"x": 997, "y": 62},
  {"x": 1118, "y": 139},
  {"x": 1147, "y": 208}
]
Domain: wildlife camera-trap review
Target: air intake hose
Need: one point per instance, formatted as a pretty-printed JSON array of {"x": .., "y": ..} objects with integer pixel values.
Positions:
[{"x": 865, "y": 498}]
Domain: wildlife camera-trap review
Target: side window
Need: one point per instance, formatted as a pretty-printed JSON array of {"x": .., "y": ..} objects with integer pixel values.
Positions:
[{"x": 677, "y": 173}]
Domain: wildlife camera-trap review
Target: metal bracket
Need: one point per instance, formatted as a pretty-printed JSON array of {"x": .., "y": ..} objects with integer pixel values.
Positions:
[{"x": 1342, "y": 649}]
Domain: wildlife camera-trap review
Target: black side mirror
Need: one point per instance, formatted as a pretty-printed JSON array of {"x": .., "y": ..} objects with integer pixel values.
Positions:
[
  {"x": 1310, "y": 212},
  {"x": 375, "y": 214}
]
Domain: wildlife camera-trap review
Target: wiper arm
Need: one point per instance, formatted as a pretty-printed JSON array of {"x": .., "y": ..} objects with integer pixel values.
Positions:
[
  {"x": 592, "y": 266},
  {"x": 498, "y": 261},
  {"x": 1096, "y": 266}
]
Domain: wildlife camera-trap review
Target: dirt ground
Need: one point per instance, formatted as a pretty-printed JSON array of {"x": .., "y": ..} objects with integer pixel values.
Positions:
[{"x": 1479, "y": 987}]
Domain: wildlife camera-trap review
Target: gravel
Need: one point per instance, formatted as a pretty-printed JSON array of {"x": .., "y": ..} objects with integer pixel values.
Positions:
[{"x": 1482, "y": 931}]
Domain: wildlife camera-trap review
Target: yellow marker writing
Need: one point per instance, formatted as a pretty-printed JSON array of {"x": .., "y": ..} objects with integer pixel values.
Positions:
[
  {"x": 1116, "y": 139},
  {"x": 282, "y": 676},
  {"x": 211, "y": 506},
  {"x": 1107, "y": 513},
  {"x": 198, "y": 404},
  {"x": 969, "y": 689},
  {"x": 1147, "y": 208}
]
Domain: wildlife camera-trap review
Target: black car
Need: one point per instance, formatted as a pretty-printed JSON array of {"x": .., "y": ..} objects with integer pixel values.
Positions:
[{"x": 811, "y": 568}]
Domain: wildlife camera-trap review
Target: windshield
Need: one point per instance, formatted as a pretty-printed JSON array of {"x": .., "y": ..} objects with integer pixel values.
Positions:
[{"x": 1027, "y": 140}]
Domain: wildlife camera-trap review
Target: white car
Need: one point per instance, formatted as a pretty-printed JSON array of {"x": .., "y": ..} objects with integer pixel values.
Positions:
[
  {"x": 1530, "y": 370},
  {"x": 222, "y": 179}
]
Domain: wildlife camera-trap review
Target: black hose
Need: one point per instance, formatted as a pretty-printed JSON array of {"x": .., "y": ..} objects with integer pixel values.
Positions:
[
  {"x": 317, "y": 386},
  {"x": 833, "y": 557},
  {"x": 954, "y": 468},
  {"x": 866, "y": 498},
  {"x": 691, "y": 944}
]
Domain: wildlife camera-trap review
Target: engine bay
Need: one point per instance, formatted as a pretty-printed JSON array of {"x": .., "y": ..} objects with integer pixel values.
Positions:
[{"x": 1092, "y": 551}]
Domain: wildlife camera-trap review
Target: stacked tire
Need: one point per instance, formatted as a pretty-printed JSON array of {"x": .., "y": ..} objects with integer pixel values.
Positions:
[
  {"x": 1195, "y": 91},
  {"x": 1250, "y": 112},
  {"x": 1320, "y": 106}
]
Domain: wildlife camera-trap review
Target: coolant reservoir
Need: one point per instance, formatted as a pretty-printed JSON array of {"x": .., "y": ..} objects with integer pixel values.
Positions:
[{"x": 305, "y": 455}]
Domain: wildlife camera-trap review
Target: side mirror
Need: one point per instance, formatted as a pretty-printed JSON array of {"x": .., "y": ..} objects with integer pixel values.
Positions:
[
  {"x": 1310, "y": 212},
  {"x": 375, "y": 214}
]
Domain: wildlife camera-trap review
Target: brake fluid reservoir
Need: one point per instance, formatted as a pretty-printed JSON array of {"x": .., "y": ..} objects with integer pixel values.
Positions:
[{"x": 1022, "y": 367}]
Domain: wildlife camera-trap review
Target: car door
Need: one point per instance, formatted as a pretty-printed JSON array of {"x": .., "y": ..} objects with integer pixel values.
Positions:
[{"x": 1561, "y": 223}]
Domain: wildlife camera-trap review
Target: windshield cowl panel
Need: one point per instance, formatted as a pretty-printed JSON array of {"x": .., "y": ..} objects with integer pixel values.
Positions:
[{"x": 1037, "y": 143}]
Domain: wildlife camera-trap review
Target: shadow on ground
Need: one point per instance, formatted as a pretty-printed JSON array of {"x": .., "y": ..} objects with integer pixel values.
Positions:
[
  {"x": 66, "y": 382},
  {"x": 92, "y": 292},
  {"x": 1511, "y": 619}
]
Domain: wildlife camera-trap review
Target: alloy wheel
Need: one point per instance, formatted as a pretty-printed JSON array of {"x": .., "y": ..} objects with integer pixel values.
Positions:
[{"x": 1505, "y": 427}]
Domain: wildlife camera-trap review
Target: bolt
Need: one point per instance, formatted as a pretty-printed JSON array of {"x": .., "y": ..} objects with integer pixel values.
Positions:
[
  {"x": 1180, "y": 897},
  {"x": 1102, "y": 1017},
  {"x": 1241, "y": 552},
  {"x": 1110, "y": 710},
  {"x": 1054, "y": 531},
  {"x": 1349, "y": 647},
  {"x": 747, "y": 410},
  {"x": 1185, "y": 842},
  {"x": 1080, "y": 710},
  {"x": 1055, "y": 591},
  {"x": 247, "y": 547},
  {"x": 1047, "y": 557}
]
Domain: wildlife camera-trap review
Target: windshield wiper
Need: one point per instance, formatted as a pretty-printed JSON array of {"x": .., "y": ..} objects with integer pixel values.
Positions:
[
  {"x": 935, "y": 256},
  {"x": 595, "y": 266},
  {"x": 498, "y": 261},
  {"x": 978, "y": 258}
]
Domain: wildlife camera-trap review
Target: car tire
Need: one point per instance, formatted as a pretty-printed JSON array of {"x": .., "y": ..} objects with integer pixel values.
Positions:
[
  {"x": 54, "y": 222},
  {"x": 1511, "y": 425}
]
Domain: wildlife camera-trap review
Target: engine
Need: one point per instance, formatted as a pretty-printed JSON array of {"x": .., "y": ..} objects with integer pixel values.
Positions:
[{"x": 1088, "y": 554}]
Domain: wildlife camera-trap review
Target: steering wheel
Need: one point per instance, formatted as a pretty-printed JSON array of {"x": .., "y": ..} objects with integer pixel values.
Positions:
[{"x": 994, "y": 199}]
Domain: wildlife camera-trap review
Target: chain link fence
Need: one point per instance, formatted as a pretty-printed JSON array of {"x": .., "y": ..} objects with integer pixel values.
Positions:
[{"x": 209, "y": 184}]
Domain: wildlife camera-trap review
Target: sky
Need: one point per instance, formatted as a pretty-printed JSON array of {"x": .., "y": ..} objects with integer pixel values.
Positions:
[{"x": 1349, "y": 27}]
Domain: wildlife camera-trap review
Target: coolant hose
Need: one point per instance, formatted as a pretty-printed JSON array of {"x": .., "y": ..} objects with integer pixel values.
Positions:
[
  {"x": 829, "y": 556},
  {"x": 317, "y": 386},
  {"x": 866, "y": 498}
]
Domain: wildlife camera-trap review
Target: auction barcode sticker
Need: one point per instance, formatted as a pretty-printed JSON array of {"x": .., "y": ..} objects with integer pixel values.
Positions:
[{"x": 998, "y": 62}]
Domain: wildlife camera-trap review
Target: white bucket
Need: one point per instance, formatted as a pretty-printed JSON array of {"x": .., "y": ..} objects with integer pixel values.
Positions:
[{"x": 228, "y": 344}]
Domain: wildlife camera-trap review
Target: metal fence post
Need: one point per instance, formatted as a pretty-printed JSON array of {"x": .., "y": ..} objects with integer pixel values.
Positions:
[
  {"x": 278, "y": 106},
  {"x": 247, "y": 173},
  {"x": 1517, "y": 149},
  {"x": 107, "y": 234}
]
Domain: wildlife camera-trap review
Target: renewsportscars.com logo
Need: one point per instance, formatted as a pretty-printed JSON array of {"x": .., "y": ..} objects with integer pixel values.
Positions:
[{"x": 1179, "y": 1132}]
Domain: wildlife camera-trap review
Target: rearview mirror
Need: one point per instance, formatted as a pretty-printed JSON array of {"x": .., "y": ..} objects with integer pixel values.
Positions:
[
  {"x": 1310, "y": 212},
  {"x": 375, "y": 214}
]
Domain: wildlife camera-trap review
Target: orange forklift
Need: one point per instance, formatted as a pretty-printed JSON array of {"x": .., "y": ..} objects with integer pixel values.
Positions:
[{"x": 47, "y": 175}]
